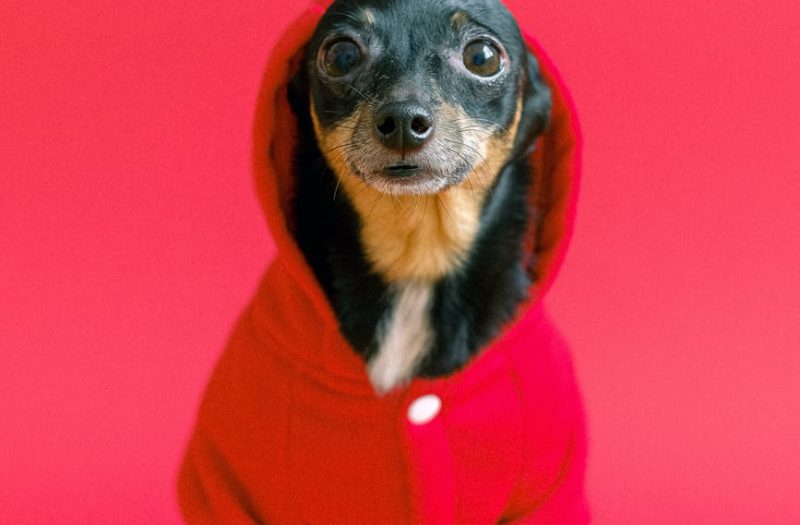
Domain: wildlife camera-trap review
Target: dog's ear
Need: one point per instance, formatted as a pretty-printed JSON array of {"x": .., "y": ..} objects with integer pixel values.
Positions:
[{"x": 536, "y": 106}]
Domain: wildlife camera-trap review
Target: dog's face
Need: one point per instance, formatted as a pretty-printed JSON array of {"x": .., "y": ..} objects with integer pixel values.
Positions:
[{"x": 416, "y": 96}]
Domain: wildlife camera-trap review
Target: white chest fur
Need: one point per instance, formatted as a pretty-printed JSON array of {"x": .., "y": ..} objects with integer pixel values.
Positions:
[{"x": 404, "y": 337}]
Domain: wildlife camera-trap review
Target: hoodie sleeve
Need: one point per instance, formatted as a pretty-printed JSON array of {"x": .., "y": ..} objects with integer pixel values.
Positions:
[
  {"x": 550, "y": 489},
  {"x": 234, "y": 469},
  {"x": 208, "y": 490}
]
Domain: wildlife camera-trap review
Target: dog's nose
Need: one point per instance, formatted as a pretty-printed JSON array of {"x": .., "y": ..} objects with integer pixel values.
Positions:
[{"x": 403, "y": 125}]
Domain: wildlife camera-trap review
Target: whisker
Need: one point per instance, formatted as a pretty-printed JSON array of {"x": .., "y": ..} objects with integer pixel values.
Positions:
[
  {"x": 425, "y": 209},
  {"x": 416, "y": 204},
  {"x": 464, "y": 144},
  {"x": 475, "y": 119},
  {"x": 444, "y": 207},
  {"x": 380, "y": 196},
  {"x": 342, "y": 145},
  {"x": 472, "y": 191},
  {"x": 481, "y": 130},
  {"x": 336, "y": 189},
  {"x": 361, "y": 93}
]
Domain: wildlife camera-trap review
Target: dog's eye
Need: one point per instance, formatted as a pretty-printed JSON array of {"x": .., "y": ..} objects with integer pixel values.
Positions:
[
  {"x": 341, "y": 58},
  {"x": 483, "y": 58}
]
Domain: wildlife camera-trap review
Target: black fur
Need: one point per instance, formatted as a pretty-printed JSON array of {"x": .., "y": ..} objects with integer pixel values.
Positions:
[{"x": 471, "y": 305}]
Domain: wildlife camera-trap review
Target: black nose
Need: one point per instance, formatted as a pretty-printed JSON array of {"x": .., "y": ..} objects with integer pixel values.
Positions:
[{"x": 403, "y": 125}]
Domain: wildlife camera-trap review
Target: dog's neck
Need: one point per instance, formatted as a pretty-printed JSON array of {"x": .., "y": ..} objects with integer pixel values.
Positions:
[
  {"x": 417, "y": 237},
  {"x": 418, "y": 283}
]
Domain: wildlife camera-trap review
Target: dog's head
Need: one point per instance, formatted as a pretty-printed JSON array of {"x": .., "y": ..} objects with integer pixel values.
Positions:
[{"x": 416, "y": 96}]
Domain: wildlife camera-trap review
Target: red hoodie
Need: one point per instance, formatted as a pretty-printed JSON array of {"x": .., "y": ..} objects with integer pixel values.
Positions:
[{"x": 290, "y": 430}]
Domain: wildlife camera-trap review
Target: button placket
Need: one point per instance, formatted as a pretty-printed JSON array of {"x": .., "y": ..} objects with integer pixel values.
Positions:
[{"x": 433, "y": 490}]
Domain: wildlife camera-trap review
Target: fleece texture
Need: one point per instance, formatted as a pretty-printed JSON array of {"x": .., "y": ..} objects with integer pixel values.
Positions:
[{"x": 290, "y": 431}]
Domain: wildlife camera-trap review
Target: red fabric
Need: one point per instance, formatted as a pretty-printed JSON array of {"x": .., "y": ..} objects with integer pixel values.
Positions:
[{"x": 290, "y": 431}]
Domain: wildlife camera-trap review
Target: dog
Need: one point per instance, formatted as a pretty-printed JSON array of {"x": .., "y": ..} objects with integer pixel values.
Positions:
[
  {"x": 418, "y": 118},
  {"x": 417, "y": 166}
]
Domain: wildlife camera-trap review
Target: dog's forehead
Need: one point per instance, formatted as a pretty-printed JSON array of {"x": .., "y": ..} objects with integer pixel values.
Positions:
[{"x": 419, "y": 23}]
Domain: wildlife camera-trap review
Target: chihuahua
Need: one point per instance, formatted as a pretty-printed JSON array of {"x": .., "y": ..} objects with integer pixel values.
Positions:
[{"x": 417, "y": 119}]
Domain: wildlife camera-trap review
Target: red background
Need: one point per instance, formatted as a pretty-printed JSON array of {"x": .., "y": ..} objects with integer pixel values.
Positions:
[{"x": 131, "y": 237}]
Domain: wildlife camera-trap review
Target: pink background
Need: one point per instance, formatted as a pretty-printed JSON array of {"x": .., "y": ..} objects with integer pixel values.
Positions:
[{"x": 131, "y": 237}]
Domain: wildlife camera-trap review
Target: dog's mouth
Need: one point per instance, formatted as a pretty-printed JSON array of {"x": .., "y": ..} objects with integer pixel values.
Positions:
[
  {"x": 412, "y": 179},
  {"x": 402, "y": 170},
  {"x": 411, "y": 175}
]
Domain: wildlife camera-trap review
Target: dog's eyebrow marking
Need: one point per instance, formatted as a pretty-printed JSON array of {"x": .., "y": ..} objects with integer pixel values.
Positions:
[
  {"x": 368, "y": 17},
  {"x": 459, "y": 19}
]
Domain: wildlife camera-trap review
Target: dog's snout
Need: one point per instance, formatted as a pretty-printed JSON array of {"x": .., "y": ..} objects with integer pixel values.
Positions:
[{"x": 403, "y": 125}]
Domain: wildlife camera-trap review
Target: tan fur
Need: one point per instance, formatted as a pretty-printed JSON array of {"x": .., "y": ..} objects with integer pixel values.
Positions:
[
  {"x": 459, "y": 19},
  {"x": 369, "y": 17},
  {"x": 420, "y": 237}
]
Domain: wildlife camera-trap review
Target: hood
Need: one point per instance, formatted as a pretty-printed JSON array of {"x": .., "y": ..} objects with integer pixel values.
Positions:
[{"x": 555, "y": 161}]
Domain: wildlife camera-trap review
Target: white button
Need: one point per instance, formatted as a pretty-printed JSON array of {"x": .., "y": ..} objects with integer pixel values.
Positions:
[{"x": 424, "y": 409}]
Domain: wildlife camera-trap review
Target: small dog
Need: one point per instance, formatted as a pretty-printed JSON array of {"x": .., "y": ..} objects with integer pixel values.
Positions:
[
  {"x": 412, "y": 217},
  {"x": 417, "y": 120}
]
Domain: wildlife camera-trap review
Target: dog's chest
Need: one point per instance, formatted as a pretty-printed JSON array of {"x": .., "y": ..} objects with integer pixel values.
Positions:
[{"x": 404, "y": 337}]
